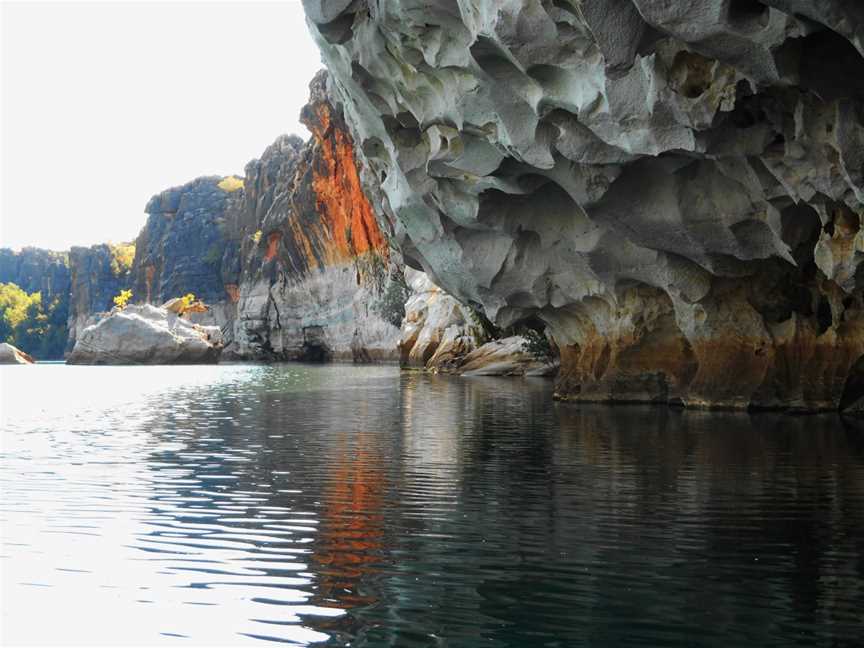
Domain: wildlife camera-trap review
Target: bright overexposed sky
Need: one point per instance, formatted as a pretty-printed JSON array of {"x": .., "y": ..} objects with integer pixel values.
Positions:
[{"x": 104, "y": 104}]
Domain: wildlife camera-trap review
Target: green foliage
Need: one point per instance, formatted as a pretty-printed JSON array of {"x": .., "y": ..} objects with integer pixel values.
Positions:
[
  {"x": 31, "y": 325},
  {"x": 14, "y": 303},
  {"x": 122, "y": 299},
  {"x": 122, "y": 256},
  {"x": 484, "y": 330},
  {"x": 537, "y": 344},
  {"x": 390, "y": 306}
]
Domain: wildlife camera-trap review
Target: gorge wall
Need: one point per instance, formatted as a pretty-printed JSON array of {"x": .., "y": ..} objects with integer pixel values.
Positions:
[
  {"x": 290, "y": 259},
  {"x": 675, "y": 189},
  {"x": 317, "y": 282}
]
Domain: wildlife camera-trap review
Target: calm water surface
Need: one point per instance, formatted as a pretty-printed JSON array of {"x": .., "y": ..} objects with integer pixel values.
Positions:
[{"x": 360, "y": 506}]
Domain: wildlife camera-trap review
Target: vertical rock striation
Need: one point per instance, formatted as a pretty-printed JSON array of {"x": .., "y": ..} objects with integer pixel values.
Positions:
[{"x": 675, "y": 189}]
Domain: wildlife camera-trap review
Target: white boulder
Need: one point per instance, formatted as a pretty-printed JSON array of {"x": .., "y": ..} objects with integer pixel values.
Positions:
[{"x": 145, "y": 334}]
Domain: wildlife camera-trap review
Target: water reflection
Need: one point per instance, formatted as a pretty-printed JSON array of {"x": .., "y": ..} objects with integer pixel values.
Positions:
[{"x": 364, "y": 507}]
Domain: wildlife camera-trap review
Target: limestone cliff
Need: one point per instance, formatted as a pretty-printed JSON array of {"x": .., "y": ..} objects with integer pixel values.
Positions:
[
  {"x": 290, "y": 258},
  {"x": 317, "y": 281},
  {"x": 674, "y": 188},
  {"x": 98, "y": 274}
]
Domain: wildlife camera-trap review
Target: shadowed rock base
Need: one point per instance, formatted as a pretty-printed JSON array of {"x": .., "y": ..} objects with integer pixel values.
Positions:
[{"x": 726, "y": 356}]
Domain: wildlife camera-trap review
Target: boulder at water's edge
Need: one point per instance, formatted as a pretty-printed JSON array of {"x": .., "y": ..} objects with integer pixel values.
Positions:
[
  {"x": 145, "y": 334},
  {"x": 12, "y": 355}
]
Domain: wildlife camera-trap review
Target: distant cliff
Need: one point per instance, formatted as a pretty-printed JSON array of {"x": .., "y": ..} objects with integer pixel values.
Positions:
[
  {"x": 36, "y": 270},
  {"x": 98, "y": 274},
  {"x": 42, "y": 329},
  {"x": 180, "y": 248},
  {"x": 289, "y": 258}
]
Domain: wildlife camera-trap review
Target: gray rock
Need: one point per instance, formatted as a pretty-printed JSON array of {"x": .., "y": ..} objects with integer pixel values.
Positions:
[
  {"x": 674, "y": 188},
  {"x": 437, "y": 331},
  {"x": 505, "y": 357},
  {"x": 12, "y": 355},
  {"x": 145, "y": 334}
]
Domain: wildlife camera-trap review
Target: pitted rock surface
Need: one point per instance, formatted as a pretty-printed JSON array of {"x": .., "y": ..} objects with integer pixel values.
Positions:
[{"x": 675, "y": 188}]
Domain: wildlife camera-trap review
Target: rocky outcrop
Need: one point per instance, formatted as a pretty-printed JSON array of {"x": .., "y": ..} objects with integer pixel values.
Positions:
[
  {"x": 98, "y": 274},
  {"x": 675, "y": 189},
  {"x": 437, "y": 331},
  {"x": 11, "y": 355},
  {"x": 506, "y": 357},
  {"x": 440, "y": 334},
  {"x": 145, "y": 334},
  {"x": 317, "y": 281},
  {"x": 180, "y": 249}
]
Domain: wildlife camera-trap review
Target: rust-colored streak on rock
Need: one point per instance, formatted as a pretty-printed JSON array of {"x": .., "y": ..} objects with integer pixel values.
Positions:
[
  {"x": 273, "y": 240},
  {"x": 149, "y": 273},
  {"x": 233, "y": 292},
  {"x": 340, "y": 199}
]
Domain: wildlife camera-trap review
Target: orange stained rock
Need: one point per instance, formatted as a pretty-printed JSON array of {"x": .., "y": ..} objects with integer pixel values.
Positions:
[
  {"x": 273, "y": 240},
  {"x": 339, "y": 194}
]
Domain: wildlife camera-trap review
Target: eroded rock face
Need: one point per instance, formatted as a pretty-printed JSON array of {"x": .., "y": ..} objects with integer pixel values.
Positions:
[
  {"x": 505, "y": 357},
  {"x": 441, "y": 335},
  {"x": 675, "y": 188},
  {"x": 317, "y": 280},
  {"x": 145, "y": 334}
]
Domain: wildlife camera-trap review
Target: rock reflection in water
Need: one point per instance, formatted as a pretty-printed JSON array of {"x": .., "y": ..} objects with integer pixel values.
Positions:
[{"x": 369, "y": 507}]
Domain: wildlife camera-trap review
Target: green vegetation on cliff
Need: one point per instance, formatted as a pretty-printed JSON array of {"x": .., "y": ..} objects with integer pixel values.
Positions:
[{"x": 33, "y": 326}]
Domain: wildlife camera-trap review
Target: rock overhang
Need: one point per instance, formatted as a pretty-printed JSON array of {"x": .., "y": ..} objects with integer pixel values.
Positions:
[{"x": 651, "y": 179}]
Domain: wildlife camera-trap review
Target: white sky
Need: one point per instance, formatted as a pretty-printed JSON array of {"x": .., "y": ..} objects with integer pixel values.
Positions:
[{"x": 104, "y": 104}]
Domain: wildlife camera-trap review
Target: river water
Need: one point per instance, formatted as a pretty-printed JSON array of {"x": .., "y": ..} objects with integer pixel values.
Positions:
[{"x": 231, "y": 505}]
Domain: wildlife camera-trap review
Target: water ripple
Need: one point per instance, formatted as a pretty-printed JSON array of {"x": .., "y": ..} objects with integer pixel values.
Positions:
[{"x": 360, "y": 506}]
